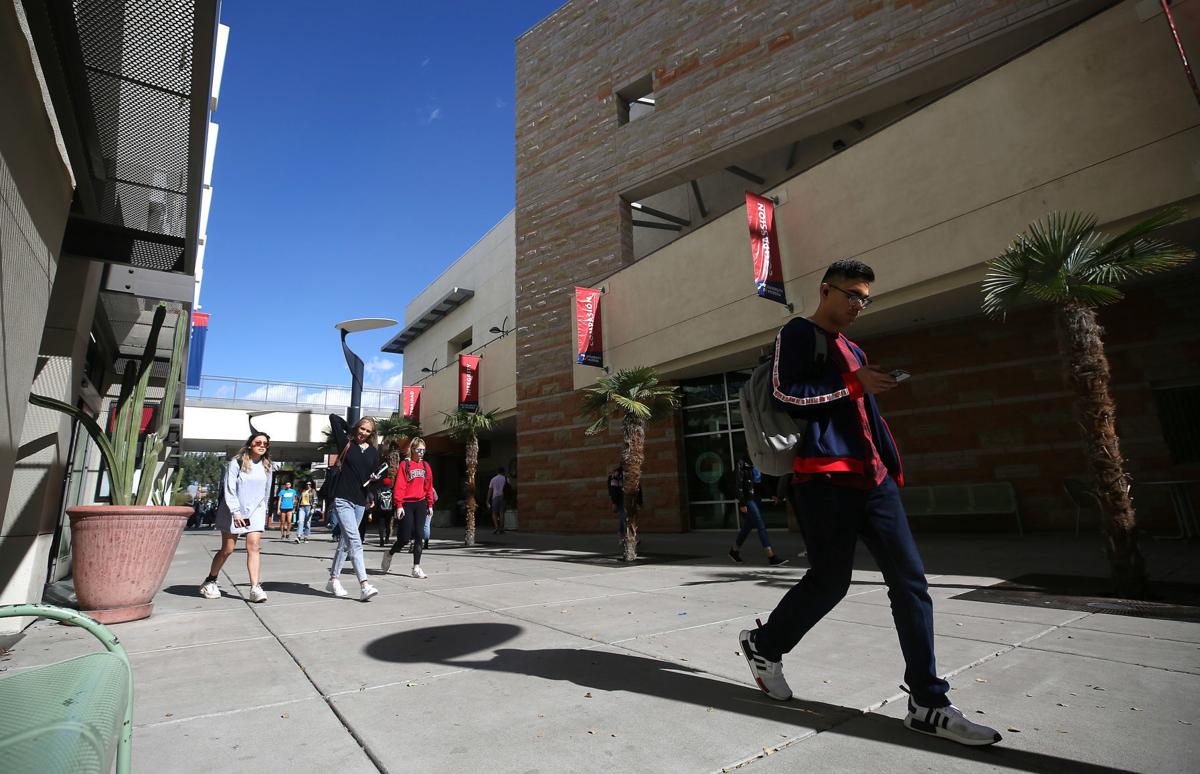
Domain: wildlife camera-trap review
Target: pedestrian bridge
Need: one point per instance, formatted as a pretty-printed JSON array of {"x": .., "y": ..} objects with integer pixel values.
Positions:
[{"x": 219, "y": 412}]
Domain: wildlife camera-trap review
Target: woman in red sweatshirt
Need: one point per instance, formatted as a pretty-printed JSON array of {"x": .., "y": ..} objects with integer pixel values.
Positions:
[{"x": 414, "y": 499}]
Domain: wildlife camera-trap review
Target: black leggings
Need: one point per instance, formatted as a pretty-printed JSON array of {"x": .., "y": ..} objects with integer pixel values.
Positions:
[{"x": 412, "y": 527}]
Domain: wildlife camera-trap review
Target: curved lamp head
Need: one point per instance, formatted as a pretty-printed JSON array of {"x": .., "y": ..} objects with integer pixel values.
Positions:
[{"x": 364, "y": 324}]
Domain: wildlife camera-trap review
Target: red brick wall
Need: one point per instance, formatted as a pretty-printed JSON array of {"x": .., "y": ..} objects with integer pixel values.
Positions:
[
  {"x": 988, "y": 402},
  {"x": 723, "y": 72}
]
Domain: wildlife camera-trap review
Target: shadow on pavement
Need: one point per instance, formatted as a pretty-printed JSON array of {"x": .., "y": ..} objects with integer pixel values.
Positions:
[
  {"x": 607, "y": 671},
  {"x": 291, "y": 587}
]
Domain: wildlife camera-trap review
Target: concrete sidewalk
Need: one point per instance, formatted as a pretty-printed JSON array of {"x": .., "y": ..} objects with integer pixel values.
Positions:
[{"x": 541, "y": 653}]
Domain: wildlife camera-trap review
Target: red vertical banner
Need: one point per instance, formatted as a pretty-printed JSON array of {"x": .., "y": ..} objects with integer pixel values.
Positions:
[
  {"x": 587, "y": 327},
  {"x": 410, "y": 404},
  {"x": 468, "y": 382},
  {"x": 764, "y": 246}
]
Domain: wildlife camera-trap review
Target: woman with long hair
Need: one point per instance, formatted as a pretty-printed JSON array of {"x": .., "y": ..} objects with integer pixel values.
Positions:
[
  {"x": 243, "y": 511},
  {"x": 414, "y": 499},
  {"x": 358, "y": 460}
]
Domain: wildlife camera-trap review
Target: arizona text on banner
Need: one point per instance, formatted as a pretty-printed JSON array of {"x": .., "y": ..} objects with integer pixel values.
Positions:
[
  {"x": 587, "y": 327},
  {"x": 410, "y": 404},
  {"x": 468, "y": 382},
  {"x": 764, "y": 245}
]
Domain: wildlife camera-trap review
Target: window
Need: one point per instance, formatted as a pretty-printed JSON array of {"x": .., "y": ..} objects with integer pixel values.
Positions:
[
  {"x": 635, "y": 100},
  {"x": 713, "y": 439},
  {"x": 458, "y": 344}
]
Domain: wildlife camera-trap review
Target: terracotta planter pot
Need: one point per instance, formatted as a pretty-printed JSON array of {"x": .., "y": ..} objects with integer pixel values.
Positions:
[{"x": 121, "y": 554}]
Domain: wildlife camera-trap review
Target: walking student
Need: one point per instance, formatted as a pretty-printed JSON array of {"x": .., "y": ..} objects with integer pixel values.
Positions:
[
  {"x": 414, "y": 499},
  {"x": 496, "y": 500},
  {"x": 308, "y": 498},
  {"x": 357, "y": 461},
  {"x": 746, "y": 476},
  {"x": 287, "y": 510},
  {"x": 846, "y": 479},
  {"x": 243, "y": 511}
]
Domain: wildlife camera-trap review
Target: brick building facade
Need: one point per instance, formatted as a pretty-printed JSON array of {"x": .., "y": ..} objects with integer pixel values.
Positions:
[{"x": 728, "y": 82}]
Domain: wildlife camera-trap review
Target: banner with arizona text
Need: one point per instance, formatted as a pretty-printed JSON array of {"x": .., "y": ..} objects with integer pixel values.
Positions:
[
  {"x": 410, "y": 404},
  {"x": 764, "y": 246},
  {"x": 196, "y": 349},
  {"x": 468, "y": 382},
  {"x": 587, "y": 327}
]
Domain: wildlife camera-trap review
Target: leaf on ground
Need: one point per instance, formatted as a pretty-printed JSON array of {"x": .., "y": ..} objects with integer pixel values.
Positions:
[
  {"x": 592, "y": 732},
  {"x": 1186, "y": 722},
  {"x": 1063, "y": 705},
  {"x": 980, "y": 680},
  {"x": 980, "y": 712},
  {"x": 1014, "y": 730},
  {"x": 587, "y": 695},
  {"x": 284, "y": 716},
  {"x": 1136, "y": 709}
]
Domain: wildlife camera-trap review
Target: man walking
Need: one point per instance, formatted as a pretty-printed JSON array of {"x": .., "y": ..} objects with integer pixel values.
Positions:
[
  {"x": 287, "y": 510},
  {"x": 496, "y": 500},
  {"x": 846, "y": 480}
]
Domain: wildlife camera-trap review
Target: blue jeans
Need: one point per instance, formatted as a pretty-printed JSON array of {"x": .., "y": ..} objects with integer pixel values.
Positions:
[
  {"x": 303, "y": 514},
  {"x": 428, "y": 521},
  {"x": 832, "y": 519},
  {"x": 752, "y": 519},
  {"x": 349, "y": 541}
]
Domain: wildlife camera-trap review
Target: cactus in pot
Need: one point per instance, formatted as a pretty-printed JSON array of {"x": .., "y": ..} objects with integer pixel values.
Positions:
[{"x": 122, "y": 551}]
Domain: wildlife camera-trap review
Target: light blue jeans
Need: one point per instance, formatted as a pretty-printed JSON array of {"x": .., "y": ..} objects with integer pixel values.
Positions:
[
  {"x": 349, "y": 542},
  {"x": 303, "y": 528},
  {"x": 428, "y": 521}
]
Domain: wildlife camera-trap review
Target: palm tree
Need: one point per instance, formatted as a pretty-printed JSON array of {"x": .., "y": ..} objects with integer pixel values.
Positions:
[
  {"x": 396, "y": 426},
  {"x": 1064, "y": 260},
  {"x": 636, "y": 394},
  {"x": 466, "y": 426}
]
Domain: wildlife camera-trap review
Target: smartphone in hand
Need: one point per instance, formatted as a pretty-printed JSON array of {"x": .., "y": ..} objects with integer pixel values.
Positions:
[{"x": 900, "y": 375}]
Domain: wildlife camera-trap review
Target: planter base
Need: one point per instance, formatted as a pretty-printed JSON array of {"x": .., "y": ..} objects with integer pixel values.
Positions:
[{"x": 121, "y": 614}]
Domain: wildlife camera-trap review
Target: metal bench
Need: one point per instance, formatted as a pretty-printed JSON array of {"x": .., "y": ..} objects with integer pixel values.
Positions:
[
  {"x": 991, "y": 498},
  {"x": 71, "y": 716}
]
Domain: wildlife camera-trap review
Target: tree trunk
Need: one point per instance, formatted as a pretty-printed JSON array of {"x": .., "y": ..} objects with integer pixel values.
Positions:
[
  {"x": 1082, "y": 344},
  {"x": 472, "y": 465},
  {"x": 633, "y": 456}
]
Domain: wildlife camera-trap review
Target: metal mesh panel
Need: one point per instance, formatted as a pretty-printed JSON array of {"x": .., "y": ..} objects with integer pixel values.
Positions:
[
  {"x": 143, "y": 133},
  {"x": 144, "y": 208},
  {"x": 146, "y": 41}
]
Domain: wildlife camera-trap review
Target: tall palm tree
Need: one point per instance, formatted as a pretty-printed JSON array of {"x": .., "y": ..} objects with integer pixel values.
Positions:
[
  {"x": 1064, "y": 260},
  {"x": 636, "y": 395},
  {"x": 466, "y": 426}
]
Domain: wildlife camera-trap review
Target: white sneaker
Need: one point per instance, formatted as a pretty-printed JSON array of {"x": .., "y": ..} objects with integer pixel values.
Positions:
[
  {"x": 767, "y": 674},
  {"x": 368, "y": 591},
  {"x": 257, "y": 594},
  {"x": 418, "y": 572},
  {"x": 334, "y": 587},
  {"x": 210, "y": 590},
  {"x": 948, "y": 722},
  {"x": 296, "y": 540},
  {"x": 385, "y": 563}
]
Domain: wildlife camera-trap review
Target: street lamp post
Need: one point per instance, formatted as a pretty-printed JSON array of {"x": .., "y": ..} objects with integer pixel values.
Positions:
[{"x": 354, "y": 362}]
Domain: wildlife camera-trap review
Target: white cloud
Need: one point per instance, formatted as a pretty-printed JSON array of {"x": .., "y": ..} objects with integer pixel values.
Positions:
[
  {"x": 500, "y": 103},
  {"x": 424, "y": 63},
  {"x": 379, "y": 365}
]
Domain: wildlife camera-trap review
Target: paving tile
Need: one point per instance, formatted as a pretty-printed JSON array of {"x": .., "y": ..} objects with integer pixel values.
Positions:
[
  {"x": 1156, "y": 628},
  {"x": 1130, "y": 649},
  {"x": 301, "y": 736}
]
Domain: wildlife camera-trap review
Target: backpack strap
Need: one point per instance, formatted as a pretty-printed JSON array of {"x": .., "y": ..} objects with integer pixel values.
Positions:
[{"x": 820, "y": 348}]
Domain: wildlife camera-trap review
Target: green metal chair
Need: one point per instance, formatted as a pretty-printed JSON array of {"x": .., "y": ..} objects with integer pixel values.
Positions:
[{"x": 71, "y": 716}]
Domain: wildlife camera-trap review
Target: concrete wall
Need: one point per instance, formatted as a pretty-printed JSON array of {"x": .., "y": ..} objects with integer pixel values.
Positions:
[
  {"x": 35, "y": 194},
  {"x": 487, "y": 269}
]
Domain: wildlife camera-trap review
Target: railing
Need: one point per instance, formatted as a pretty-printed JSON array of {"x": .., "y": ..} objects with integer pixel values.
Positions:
[{"x": 229, "y": 391}]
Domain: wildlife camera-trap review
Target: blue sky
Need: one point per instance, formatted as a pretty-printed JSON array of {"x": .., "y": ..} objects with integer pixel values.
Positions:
[{"x": 363, "y": 147}]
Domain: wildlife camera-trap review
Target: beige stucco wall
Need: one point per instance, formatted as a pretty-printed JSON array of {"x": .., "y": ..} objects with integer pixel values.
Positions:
[
  {"x": 35, "y": 195},
  {"x": 488, "y": 269},
  {"x": 1100, "y": 119}
]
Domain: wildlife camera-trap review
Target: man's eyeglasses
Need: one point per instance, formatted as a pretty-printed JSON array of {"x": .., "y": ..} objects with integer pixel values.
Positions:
[{"x": 862, "y": 301}]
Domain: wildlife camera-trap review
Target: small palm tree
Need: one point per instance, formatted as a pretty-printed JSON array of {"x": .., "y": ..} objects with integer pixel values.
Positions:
[
  {"x": 1064, "y": 260},
  {"x": 466, "y": 426},
  {"x": 636, "y": 395},
  {"x": 396, "y": 426}
]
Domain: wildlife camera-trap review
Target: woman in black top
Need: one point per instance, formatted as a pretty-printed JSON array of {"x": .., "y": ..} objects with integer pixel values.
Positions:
[{"x": 359, "y": 461}]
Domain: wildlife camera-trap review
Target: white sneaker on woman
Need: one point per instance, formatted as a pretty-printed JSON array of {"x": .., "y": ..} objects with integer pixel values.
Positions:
[
  {"x": 368, "y": 591},
  {"x": 334, "y": 587},
  {"x": 257, "y": 594},
  {"x": 210, "y": 590}
]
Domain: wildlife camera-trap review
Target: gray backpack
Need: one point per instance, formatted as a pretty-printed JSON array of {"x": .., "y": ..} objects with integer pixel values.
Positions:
[{"x": 771, "y": 432}]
